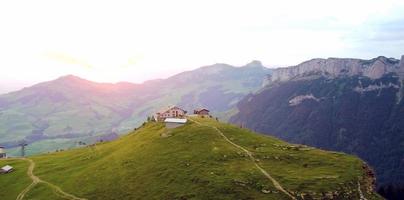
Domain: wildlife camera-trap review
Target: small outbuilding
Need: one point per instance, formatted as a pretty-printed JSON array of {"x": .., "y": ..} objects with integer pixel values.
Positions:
[
  {"x": 201, "y": 112},
  {"x": 174, "y": 122},
  {"x": 6, "y": 169},
  {"x": 2, "y": 153}
]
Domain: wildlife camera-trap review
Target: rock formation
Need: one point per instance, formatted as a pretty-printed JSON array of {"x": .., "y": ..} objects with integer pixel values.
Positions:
[
  {"x": 334, "y": 67},
  {"x": 401, "y": 70}
]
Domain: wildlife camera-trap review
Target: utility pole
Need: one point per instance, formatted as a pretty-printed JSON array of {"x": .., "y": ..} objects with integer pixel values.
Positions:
[{"x": 23, "y": 144}]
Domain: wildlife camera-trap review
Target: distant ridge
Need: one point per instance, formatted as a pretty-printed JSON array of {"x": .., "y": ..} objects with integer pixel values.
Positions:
[
  {"x": 60, "y": 113},
  {"x": 334, "y": 67}
]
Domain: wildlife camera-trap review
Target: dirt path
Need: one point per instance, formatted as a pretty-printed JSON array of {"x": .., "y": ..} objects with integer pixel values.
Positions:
[
  {"x": 361, "y": 196},
  {"x": 250, "y": 155},
  {"x": 36, "y": 180}
]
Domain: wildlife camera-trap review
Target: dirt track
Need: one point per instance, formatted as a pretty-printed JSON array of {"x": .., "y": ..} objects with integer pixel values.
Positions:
[{"x": 36, "y": 180}]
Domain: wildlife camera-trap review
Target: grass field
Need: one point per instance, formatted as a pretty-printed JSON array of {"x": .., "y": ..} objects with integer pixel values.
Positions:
[
  {"x": 190, "y": 162},
  {"x": 13, "y": 183}
]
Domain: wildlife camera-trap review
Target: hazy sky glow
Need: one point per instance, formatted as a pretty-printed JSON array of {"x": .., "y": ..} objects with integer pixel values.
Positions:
[{"x": 134, "y": 41}]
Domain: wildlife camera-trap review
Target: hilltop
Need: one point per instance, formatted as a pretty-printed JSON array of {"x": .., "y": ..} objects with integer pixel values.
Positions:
[{"x": 203, "y": 159}]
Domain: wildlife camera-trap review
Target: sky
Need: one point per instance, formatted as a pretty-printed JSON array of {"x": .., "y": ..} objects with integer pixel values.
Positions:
[{"x": 112, "y": 41}]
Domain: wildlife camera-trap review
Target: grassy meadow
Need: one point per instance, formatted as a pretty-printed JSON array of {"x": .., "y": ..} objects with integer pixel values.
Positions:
[{"x": 190, "y": 162}]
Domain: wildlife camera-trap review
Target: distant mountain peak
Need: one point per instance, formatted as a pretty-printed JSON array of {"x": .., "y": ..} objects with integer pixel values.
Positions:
[
  {"x": 71, "y": 77},
  {"x": 254, "y": 63},
  {"x": 213, "y": 69}
]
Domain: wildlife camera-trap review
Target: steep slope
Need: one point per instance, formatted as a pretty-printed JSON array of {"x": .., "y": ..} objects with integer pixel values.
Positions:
[
  {"x": 337, "y": 106},
  {"x": 60, "y": 113},
  {"x": 202, "y": 160}
]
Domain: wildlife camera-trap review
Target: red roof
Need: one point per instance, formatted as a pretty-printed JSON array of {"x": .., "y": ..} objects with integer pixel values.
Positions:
[
  {"x": 164, "y": 110},
  {"x": 201, "y": 109}
]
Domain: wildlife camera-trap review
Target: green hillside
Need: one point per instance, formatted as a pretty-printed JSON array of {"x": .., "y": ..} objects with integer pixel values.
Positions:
[
  {"x": 62, "y": 112},
  {"x": 202, "y": 160}
]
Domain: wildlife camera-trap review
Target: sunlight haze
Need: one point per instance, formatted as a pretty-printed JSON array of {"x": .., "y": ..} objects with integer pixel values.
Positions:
[{"x": 112, "y": 41}]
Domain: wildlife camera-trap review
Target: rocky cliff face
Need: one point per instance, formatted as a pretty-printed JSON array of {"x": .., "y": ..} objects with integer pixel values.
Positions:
[
  {"x": 335, "y": 67},
  {"x": 401, "y": 69}
]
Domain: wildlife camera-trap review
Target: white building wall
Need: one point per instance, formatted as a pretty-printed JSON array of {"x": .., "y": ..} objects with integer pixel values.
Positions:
[{"x": 171, "y": 125}]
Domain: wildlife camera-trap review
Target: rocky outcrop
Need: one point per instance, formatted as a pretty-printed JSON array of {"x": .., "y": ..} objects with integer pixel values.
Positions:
[
  {"x": 368, "y": 179},
  {"x": 255, "y": 63},
  {"x": 299, "y": 99},
  {"x": 401, "y": 70},
  {"x": 379, "y": 86},
  {"x": 335, "y": 67}
]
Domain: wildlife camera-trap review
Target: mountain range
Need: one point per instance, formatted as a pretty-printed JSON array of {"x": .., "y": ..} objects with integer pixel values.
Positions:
[
  {"x": 349, "y": 105},
  {"x": 70, "y": 111}
]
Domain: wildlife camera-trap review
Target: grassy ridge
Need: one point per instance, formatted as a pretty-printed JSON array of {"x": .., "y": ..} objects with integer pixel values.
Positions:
[
  {"x": 192, "y": 162},
  {"x": 301, "y": 169}
]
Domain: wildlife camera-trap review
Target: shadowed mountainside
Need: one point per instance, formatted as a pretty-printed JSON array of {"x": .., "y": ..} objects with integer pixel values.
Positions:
[{"x": 333, "y": 108}]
